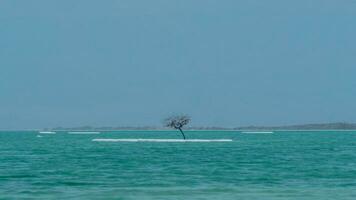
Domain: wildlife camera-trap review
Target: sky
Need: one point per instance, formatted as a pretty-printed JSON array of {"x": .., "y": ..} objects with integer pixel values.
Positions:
[{"x": 134, "y": 62}]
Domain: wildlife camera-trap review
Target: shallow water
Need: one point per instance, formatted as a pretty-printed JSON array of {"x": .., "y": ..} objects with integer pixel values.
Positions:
[{"x": 283, "y": 165}]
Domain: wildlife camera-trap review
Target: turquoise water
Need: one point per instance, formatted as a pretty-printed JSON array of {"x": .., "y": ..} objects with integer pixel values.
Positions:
[{"x": 284, "y": 165}]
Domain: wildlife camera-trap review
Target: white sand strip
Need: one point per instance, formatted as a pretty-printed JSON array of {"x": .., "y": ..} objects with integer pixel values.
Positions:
[
  {"x": 160, "y": 140},
  {"x": 47, "y": 132}
]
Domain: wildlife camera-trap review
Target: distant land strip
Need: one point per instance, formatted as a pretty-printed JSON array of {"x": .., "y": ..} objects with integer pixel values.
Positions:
[{"x": 320, "y": 126}]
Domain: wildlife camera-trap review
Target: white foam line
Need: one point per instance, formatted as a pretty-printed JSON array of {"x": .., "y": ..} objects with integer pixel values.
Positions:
[
  {"x": 258, "y": 132},
  {"x": 47, "y": 132},
  {"x": 160, "y": 140},
  {"x": 84, "y": 133}
]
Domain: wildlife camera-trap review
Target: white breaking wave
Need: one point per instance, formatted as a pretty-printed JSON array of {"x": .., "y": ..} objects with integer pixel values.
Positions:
[
  {"x": 47, "y": 132},
  {"x": 258, "y": 132},
  {"x": 84, "y": 133},
  {"x": 160, "y": 140}
]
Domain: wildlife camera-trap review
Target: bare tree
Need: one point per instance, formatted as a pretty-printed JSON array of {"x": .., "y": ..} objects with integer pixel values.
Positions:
[{"x": 177, "y": 122}]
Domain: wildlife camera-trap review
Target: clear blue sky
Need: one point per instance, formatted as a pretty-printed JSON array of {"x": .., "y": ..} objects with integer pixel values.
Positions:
[{"x": 130, "y": 62}]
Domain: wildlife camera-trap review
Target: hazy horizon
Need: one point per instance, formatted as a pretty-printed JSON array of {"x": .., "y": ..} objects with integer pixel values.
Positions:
[
  {"x": 162, "y": 127},
  {"x": 133, "y": 63}
]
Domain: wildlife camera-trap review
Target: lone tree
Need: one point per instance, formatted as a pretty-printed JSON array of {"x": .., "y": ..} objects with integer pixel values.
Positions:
[{"x": 177, "y": 122}]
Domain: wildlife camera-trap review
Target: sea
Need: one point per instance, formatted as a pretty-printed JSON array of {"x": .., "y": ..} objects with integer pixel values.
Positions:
[{"x": 318, "y": 165}]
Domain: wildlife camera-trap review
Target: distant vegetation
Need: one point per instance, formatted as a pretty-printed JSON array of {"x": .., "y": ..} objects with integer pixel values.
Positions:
[{"x": 325, "y": 126}]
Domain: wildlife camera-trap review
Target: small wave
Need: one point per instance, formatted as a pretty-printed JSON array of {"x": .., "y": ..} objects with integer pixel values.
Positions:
[
  {"x": 160, "y": 140},
  {"x": 83, "y": 133},
  {"x": 258, "y": 132}
]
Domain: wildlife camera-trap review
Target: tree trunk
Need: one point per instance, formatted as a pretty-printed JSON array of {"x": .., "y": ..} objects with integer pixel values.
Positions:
[{"x": 182, "y": 133}]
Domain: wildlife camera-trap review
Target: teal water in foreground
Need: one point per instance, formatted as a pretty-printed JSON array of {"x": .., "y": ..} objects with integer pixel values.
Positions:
[{"x": 283, "y": 165}]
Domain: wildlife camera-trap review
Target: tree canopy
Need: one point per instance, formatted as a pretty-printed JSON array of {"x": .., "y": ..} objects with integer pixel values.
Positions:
[{"x": 177, "y": 122}]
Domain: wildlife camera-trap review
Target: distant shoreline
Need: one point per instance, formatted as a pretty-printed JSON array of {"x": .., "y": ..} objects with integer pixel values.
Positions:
[
  {"x": 188, "y": 130},
  {"x": 304, "y": 127},
  {"x": 340, "y": 126}
]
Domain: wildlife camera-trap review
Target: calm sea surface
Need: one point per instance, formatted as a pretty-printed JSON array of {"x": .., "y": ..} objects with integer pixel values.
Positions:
[{"x": 283, "y": 165}]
